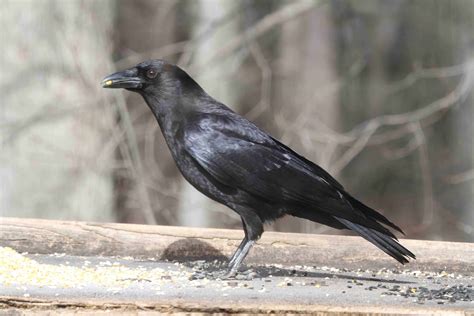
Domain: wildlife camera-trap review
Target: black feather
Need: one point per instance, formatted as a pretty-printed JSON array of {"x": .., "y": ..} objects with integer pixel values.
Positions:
[
  {"x": 232, "y": 161},
  {"x": 387, "y": 244}
]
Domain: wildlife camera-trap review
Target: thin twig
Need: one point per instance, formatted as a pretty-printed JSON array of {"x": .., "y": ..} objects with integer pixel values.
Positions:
[
  {"x": 137, "y": 167},
  {"x": 354, "y": 150},
  {"x": 265, "y": 89},
  {"x": 267, "y": 23},
  {"x": 427, "y": 182},
  {"x": 461, "y": 177}
]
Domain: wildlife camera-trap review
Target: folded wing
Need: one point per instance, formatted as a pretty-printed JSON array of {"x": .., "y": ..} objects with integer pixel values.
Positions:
[{"x": 238, "y": 154}]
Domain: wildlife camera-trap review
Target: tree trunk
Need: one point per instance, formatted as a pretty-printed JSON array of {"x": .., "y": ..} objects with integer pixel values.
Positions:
[
  {"x": 194, "y": 208},
  {"x": 55, "y": 157},
  {"x": 146, "y": 186},
  {"x": 304, "y": 97}
]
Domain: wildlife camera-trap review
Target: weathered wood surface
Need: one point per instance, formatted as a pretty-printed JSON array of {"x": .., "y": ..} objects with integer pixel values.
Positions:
[
  {"x": 134, "y": 286},
  {"x": 182, "y": 243},
  {"x": 96, "y": 307}
]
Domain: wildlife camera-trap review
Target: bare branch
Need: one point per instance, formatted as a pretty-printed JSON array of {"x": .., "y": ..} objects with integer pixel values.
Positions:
[
  {"x": 425, "y": 73},
  {"x": 137, "y": 166},
  {"x": 403, "y": 120},
  {"x": 266, "y": 84},
  {"x": 461, "y": 177},
  {"x": 427, "y": 182},
  {"x": 355, "y": 149},
  {"x": 185, "y": 58},
  {"x": 286, "y": 13}
]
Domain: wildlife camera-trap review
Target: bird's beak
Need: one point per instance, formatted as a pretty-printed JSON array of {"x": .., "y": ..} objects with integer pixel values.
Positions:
[{"x": 127, "y": 79}]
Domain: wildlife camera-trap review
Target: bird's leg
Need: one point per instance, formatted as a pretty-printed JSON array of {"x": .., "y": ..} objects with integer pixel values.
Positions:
[
  {"x": 237, "y": 252},
  {"x": 239, "y": 258},
  {"x": 239, "y": 249},
  {"x": 253, "y": 228}
]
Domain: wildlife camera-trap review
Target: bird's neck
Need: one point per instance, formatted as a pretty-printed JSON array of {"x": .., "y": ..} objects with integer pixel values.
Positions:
[
  {"x": 170, "y": 106},
  {"x": 171, "y": 112}
]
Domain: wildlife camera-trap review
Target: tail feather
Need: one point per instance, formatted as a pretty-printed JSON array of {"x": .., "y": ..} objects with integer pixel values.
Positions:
[
  {"x": 371, "y": 213},
  {"x": 386, "y": 243}
]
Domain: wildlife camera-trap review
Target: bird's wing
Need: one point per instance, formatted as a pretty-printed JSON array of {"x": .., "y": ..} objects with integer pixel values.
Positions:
[{"x": 238, "y": 154}]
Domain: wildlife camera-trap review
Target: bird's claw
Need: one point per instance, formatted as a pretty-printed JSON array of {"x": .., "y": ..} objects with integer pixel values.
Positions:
[{"x": 228, "y": 275}]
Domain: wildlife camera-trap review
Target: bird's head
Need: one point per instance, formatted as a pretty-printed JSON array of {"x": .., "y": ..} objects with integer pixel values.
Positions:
[{"x": 153, "y": 77}]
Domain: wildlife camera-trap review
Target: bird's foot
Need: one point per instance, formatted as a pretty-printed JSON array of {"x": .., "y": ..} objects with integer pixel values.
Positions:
[
  {"x": 214, "y": 275},
  {"x": 233, "y": 274},
  {"x": 229, "y": 274}
]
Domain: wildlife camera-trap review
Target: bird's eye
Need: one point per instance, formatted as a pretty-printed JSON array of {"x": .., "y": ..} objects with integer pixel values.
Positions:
[{"x": 151, "y": 73}]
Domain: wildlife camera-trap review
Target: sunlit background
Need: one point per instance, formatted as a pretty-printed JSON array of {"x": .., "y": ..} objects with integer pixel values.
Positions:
[{"x": 380, "y": 93}]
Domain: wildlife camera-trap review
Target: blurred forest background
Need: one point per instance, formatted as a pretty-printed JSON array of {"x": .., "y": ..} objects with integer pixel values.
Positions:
[{"x": 380, "y": 93}]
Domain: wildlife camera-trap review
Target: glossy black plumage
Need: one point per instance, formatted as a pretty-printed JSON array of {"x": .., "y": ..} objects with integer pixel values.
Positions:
[{"x": 232, "y": 161}]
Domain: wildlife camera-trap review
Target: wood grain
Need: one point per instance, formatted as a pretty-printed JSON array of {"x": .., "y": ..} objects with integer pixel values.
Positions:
[{"x": 186, "y": 243}]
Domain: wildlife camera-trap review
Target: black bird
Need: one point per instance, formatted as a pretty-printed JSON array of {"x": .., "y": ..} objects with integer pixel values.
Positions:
[{"x": 232, "y": 161}]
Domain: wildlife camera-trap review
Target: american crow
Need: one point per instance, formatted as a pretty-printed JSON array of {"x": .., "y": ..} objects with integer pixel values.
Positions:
[{"x": 232, "y": 161}]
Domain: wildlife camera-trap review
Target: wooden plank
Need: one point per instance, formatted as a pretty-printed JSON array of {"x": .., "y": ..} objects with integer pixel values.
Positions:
[
  {"x": 97, "y": 307},
  {"x": 183, "y": 243},
  {"x": 85, "y": 280}
]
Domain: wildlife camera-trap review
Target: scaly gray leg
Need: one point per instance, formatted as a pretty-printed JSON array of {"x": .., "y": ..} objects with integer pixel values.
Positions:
[
  {"x": 239, "y": 258},
  {"x": 237, "y": 252}
]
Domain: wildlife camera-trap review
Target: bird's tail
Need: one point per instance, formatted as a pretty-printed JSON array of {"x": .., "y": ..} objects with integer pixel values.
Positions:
[
  {"x": 363, "y": 220},
  {"x": 388, "y": 244}
]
